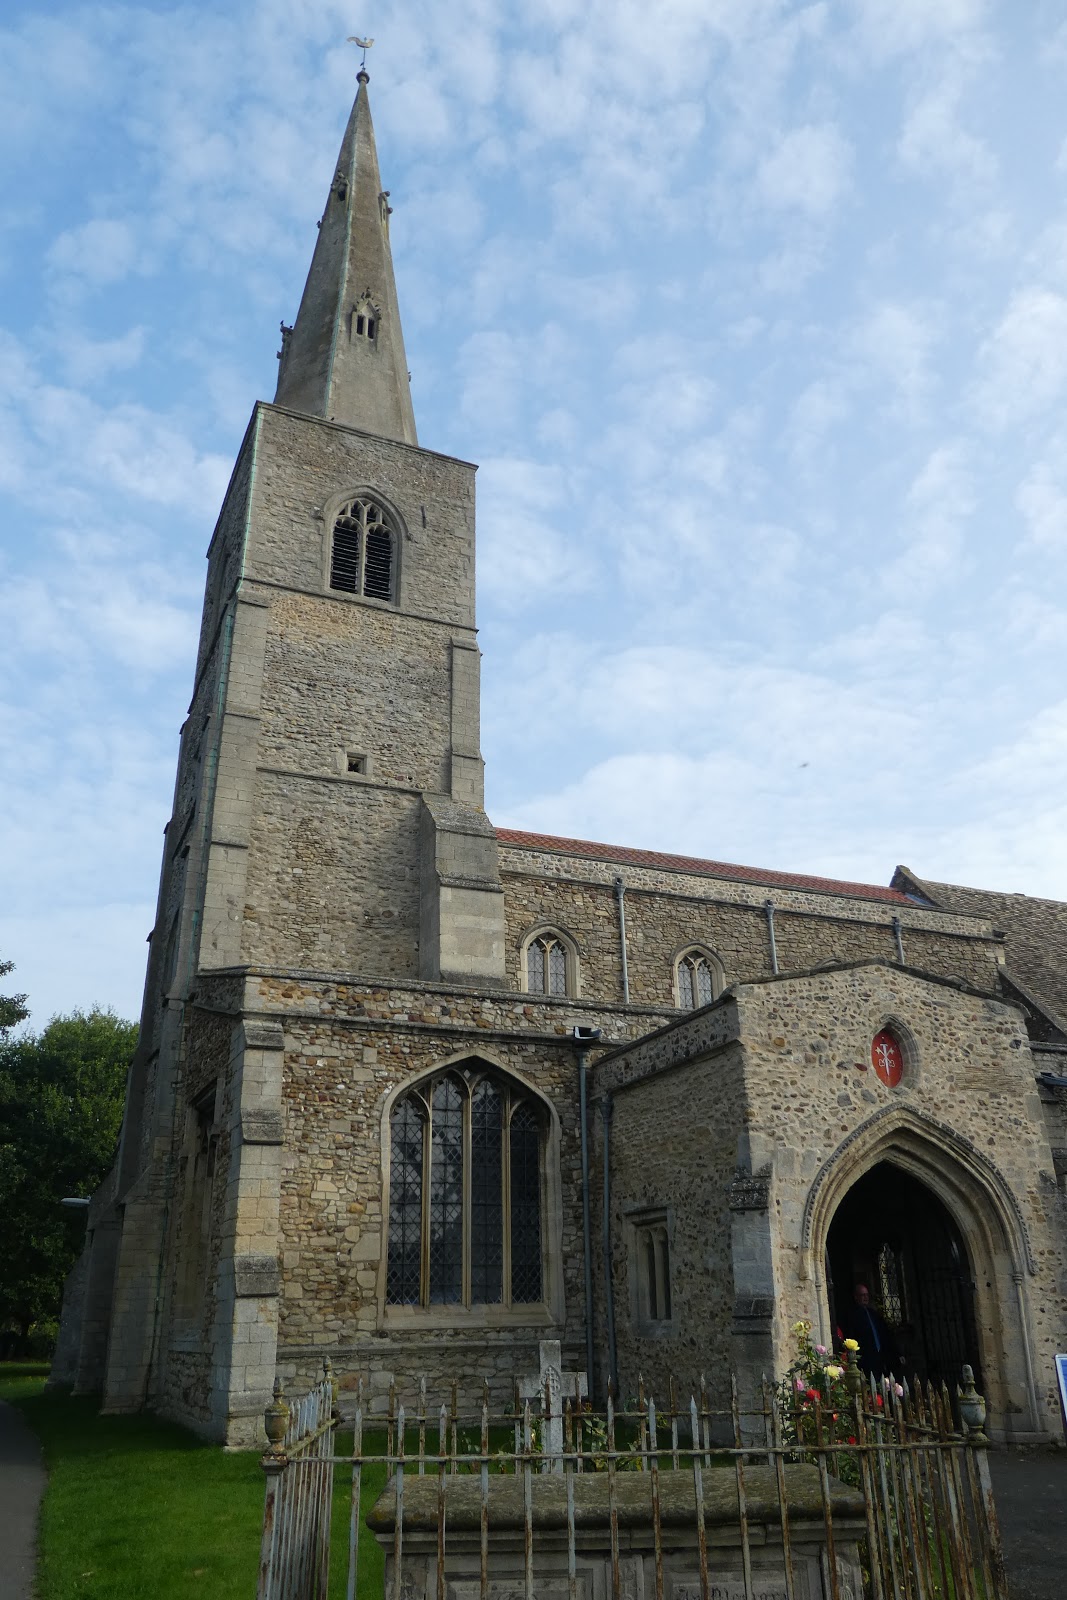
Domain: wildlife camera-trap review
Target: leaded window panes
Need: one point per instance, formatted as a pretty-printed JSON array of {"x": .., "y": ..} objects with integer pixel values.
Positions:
[
  {"x": 547, "y": 965},
  {"x": 697, "y": 980},
  {"x": 487, "y": 1194},
  {"x": 535, "y": 968},
  {"x": 407, "y": 1146},
  {"x": 465, "y": 1194},
  {"x": 362, "y": 551},
  {"x": 446, "y": 1194},
  {"x": 525, "y": 1152}
]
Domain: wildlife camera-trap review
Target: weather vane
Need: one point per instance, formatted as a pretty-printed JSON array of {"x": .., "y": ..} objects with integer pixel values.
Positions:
[{"x": 364, "y": 45}]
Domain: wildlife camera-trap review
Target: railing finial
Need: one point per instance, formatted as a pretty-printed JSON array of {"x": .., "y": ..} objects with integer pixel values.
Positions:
[
  {"x": 972, "y": 1409},
  {"x": 276, "y": 1420}
]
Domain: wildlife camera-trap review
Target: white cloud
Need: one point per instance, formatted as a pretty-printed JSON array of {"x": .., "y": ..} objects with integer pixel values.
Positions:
[
  {"x": 896, "y": 341},
  {"x": 87, "y": 360},
  {"x": 1023, "y": 363},
  {"x": 937, "y": 508},
  {"x": 933, "y": 142},
  {"x": 125, "y": 448},
  {"x": 530, "y": 542},
  {"x": 99, "y": 252},
  {"x": 903, "y": 27},
  {"x": 807, "y": 170},
  {"x": 1043, "y": 502}
]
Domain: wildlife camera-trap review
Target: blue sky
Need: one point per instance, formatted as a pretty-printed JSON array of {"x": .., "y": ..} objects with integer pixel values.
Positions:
[{"x": 754, "y": 315}]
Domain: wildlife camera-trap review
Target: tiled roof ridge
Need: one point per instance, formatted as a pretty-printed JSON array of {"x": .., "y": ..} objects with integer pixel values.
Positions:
[{"x": 697, "y": 865}]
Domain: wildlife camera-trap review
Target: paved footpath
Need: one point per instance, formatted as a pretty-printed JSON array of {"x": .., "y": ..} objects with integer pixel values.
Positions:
[
  {"x": 22, "y": 1480},
  {"x": 1030, "y": 1489}
]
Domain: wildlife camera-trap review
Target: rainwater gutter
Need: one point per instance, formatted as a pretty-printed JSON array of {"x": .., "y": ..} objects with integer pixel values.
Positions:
[
  {"x": 898, "y": 935},
  {"x": 606, "y": 1109},
  {"x": 620, "y": 895},
  {"x": 768, "y": 906}
]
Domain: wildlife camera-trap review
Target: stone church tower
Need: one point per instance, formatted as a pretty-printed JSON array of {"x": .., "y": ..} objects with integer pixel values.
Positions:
[
  {"x": 393, "y": 1061},
  {"x": 328, "y": 805}
]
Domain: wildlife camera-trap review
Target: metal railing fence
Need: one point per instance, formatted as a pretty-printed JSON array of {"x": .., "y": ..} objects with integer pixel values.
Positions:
[
  {"x": 892, "y": 1494},
  {"x": 297, "y": 1514}
]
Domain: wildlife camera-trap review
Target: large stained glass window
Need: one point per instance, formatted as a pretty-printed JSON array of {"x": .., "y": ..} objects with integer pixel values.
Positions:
[{"x": 465, "y": 1193}]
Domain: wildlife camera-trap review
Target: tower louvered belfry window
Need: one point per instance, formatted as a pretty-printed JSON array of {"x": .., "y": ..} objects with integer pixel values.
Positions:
[
  {"x": 363, "y": 551},
  {"x": 465, "y": 1193}
]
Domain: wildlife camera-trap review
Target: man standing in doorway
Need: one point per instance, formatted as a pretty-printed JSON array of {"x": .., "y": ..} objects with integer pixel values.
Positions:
[{"x": 878, "y": 1353}]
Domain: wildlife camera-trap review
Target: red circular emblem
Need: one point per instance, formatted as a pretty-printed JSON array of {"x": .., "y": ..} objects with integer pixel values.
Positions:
[{"x": 887, "y": 1058}]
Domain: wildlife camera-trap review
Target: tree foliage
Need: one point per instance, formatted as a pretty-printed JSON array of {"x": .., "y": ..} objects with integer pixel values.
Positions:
[
  {"x": 12, "y": 1006},
  {"x": 61, "y": 1094}
]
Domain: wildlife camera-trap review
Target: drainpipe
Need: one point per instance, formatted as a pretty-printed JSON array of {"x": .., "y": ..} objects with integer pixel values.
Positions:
[
  {"x": 898, "y": 935},
  {"x": 606, "y": 1109},
  {"x": 768, "y": 906},
  {"x": 620, "y": 893},
  {"x": 583, "y": 1037}
]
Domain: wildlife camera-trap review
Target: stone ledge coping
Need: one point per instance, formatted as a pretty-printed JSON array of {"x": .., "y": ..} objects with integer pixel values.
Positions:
[{"x": 633, "y": 1497}]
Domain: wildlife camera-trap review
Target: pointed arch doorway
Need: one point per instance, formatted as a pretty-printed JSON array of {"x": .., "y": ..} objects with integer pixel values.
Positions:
[{"x": 892, "y": 1233}]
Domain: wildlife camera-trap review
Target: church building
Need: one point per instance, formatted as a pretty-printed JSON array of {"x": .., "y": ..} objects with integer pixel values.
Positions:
[{"x": 417, "y": 1093}]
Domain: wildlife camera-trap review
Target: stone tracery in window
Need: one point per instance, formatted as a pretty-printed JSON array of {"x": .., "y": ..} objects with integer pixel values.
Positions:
[
  {"x": 698, "y": 978},
  {"x": 362, "y": 551},
  {"x": 465, "y": 1212},
  {"x": 549, "y": 964}
]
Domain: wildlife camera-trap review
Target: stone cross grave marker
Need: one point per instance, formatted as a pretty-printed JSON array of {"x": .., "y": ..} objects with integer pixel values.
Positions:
[{"x": 559, "y": 1386}]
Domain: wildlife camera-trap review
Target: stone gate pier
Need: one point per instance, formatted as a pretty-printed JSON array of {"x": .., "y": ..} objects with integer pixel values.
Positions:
[{"x": 537, "y": 1511}]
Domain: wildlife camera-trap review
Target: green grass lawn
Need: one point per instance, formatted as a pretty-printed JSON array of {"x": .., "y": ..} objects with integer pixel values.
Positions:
[{"x": 138, "y": 1507}]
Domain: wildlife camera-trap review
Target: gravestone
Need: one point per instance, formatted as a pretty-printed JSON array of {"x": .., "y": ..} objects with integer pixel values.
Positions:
[{"x": 553, "y": 1386}]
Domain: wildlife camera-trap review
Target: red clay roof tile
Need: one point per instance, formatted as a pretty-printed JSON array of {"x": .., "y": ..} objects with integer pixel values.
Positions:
[{"x": 707, "y": 869}]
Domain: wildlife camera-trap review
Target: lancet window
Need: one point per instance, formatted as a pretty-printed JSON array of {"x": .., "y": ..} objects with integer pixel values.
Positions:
[
  {"x": 465, "y": 1215},
  {"x": 363, "y": 551},
  {"x": 698, "y": 979},
  {"x": 550, "y": 964},
  {"x": 651, "y": 1262}
]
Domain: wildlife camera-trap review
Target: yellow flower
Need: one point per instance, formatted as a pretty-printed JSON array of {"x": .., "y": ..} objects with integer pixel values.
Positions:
[
  {"x": 802, "y": 1327},
  {"x": 834, "y": 1372},
  {"x": 852, "y": 1344}
]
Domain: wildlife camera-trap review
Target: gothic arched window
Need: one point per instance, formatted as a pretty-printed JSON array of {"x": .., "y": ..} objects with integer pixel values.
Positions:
[
  {"x": 550, "y": 963},
  {"x": 698, "y": 978},
  {"x": 362, "y": 551},
  {"x": 465, "y": 1193}
]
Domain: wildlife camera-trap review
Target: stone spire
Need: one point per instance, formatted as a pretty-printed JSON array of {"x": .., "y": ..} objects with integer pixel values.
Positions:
[{"x": 344, "y": 357}]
